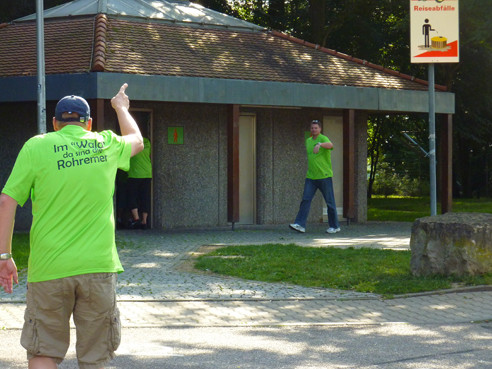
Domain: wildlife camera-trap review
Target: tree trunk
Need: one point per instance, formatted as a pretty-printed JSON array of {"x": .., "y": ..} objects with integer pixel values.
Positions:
[
  {"x": 317, "y": 17},
  {"x": 276, "y": 14}
]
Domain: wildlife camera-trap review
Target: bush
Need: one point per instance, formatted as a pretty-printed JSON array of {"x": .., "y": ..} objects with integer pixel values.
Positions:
[
  {"x": 409, "y": 187},
  {"x": 385, "y": 184},
  {"x": 388, "y": 182}
]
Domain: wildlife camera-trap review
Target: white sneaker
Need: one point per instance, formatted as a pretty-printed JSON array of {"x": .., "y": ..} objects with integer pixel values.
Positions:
[
  {"x": 297, "y": 227},
  {"x": 333, "y": 230}
]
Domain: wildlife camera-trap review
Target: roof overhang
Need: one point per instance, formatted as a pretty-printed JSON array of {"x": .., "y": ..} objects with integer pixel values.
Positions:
[{"x": 225, "y": 91}]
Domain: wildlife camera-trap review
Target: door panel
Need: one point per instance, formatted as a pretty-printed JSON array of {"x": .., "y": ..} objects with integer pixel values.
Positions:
[{"x": 247, "y": 169}]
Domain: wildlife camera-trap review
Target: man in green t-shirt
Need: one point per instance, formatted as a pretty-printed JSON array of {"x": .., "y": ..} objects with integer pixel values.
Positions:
[
  {"x": 319, "y": 177},
  {"x": 69, "y": 175}
]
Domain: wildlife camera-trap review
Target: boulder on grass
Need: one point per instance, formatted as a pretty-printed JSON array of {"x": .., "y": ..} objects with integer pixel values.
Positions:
[{"x": 452, "y": 244}]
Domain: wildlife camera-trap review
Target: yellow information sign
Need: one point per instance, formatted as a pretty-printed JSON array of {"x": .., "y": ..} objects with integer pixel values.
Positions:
[{"x": 434, "y": 31}]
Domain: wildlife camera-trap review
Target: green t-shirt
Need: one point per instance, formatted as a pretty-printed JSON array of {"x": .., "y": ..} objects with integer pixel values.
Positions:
[
  {"x": 70, "y": 177},
  {"x": 319, "y": 165},
  {"x": 140, "y": 164}
]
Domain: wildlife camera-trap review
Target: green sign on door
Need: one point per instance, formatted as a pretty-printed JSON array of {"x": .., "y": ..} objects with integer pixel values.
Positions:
[{"x": 175, "y": 135}]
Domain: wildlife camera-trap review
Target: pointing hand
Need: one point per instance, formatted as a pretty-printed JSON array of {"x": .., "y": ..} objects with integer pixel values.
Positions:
[{"x": 121, "y": 100}]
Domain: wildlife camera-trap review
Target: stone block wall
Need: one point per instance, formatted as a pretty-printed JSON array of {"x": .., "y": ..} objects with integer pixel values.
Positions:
[{"x": 452, "y": 244}]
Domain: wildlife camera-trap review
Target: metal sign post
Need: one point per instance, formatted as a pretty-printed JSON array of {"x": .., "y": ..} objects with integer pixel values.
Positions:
[
  {"x": 432, "y": 141},
  {"x": 40, "y": 65},
  {"x": 434, "y": 38}
]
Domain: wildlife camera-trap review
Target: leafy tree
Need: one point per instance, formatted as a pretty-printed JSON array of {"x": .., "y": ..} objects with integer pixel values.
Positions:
[
  {"x": 470, "y": 79},
  {"x": 394, "y": 157},
  {"x": 13, "y": 9},
  {"x": 218, "y": 5},
  {"x": 375, "y": 147}
]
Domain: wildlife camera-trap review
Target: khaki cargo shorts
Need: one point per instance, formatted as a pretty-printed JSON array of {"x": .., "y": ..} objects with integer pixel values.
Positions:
[{"x": 91, "y": 298}]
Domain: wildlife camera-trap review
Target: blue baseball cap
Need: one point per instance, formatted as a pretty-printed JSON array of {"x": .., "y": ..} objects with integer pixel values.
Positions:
[{"x": 73, "y": 104}]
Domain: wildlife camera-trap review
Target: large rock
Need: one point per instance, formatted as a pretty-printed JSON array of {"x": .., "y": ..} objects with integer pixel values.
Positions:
[{"x": 452, "y": 244}]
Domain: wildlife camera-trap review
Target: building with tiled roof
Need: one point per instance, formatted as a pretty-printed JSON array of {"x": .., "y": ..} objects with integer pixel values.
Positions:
[{"x": 241, "y": 97}]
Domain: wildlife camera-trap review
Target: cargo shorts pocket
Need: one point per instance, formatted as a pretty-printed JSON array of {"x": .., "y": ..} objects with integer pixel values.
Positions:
[
  {"x": 102, "y": 292},
  {"x": 115, "y": 330},
  {"x": 29, "y": 336}
]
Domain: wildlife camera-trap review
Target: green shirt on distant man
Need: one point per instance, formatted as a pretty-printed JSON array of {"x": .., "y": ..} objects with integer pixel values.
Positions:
[
  {"x": 140, "y": 164},
  {"x": 319, "y": 165}
]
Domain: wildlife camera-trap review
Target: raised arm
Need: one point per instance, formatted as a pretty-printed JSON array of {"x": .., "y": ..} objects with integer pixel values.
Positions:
[
  {"x": 128, "y": 126},
  {"x": 325, "y": 145}
]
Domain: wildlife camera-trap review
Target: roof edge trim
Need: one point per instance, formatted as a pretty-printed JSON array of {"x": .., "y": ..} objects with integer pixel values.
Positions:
[
  {"x": 218, "y": 91},
  {"x": 236, "y": 28},
  {"x": 99, "y": 50}
]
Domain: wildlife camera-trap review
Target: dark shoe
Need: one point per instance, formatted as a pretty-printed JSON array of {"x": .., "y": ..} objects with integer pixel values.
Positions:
[
  {"x": 134, "y": 224},
  {"x": 143, "y": 226}
]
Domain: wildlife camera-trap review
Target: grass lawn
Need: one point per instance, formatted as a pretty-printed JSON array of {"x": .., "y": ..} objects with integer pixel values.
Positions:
[
  {"x": 20, "y": 249},
  {"x": 407, "y": 209},
  {"x": 384, "y": 272}
]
